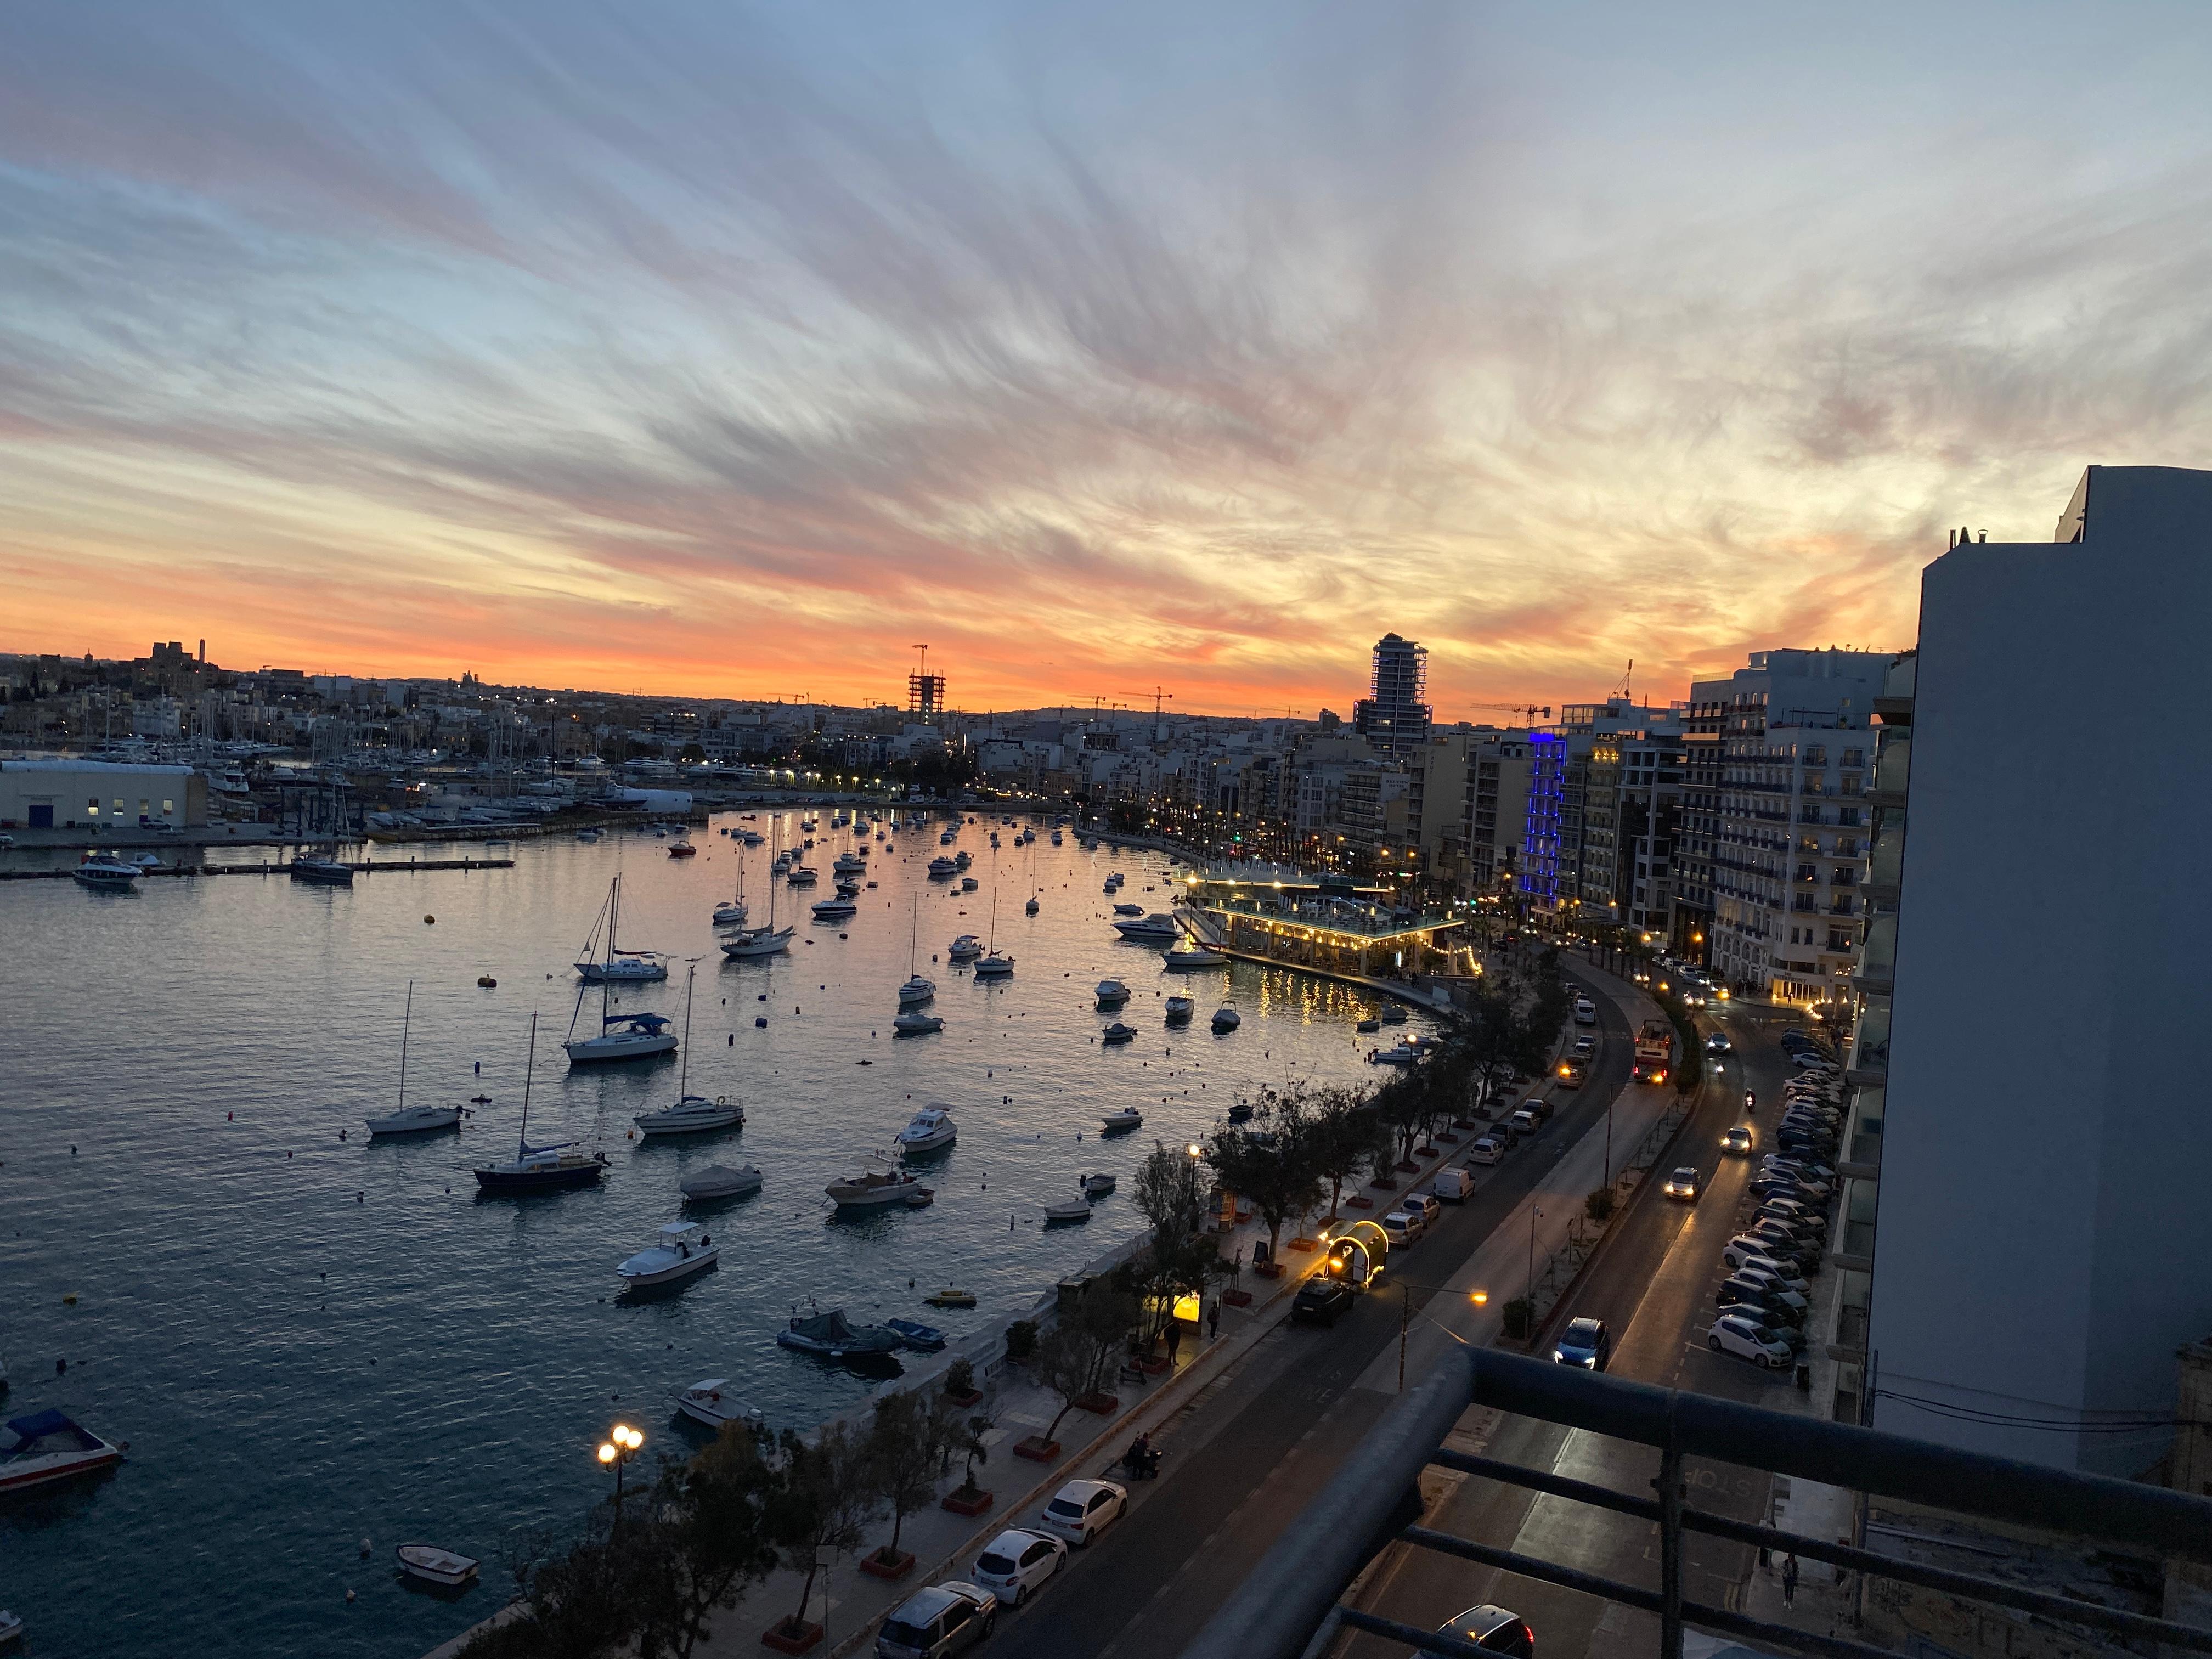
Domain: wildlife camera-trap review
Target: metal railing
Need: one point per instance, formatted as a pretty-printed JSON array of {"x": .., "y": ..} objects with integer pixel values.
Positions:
[{"x": 1288, "y": 1606}]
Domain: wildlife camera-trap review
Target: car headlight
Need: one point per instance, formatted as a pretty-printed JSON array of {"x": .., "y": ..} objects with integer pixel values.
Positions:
[{"x": 1559, "y": 1357}]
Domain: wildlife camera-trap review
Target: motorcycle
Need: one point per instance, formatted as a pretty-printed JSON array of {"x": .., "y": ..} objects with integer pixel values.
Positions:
[{"x": 1141, "y": 1463}]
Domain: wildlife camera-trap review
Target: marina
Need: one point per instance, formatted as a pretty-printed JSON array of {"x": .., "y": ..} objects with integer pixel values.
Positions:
[{"x": 440, "y": 1364}]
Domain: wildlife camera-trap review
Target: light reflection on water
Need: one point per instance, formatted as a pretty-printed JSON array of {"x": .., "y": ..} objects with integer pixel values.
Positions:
[{"x": 310, "y": 1341}]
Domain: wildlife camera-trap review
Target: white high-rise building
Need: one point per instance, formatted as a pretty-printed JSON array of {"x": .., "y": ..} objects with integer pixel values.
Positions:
[{"x": 2043, "y": 1243}]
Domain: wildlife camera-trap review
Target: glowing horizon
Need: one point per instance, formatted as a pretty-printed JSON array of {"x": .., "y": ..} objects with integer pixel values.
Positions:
[{"x": 729, "y": 353}]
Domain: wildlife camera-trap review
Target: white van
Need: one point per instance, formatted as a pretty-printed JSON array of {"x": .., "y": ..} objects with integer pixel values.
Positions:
[
  {"x": 1585, "y": 1012},
  {"x": 1453, "y": 1185}
]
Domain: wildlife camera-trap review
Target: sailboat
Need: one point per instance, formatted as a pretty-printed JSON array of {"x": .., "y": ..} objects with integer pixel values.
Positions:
[
  {"x": 540, "y": 1169},
  {"x": 621, "y": 1037},
  {"x": 918, "y": 988},
  {"x": 691, "y": 1115},
  {"x": 415, "y": 1120},
  {"x": 621, "y": 966},
  {"x": 762, "y": 941},
  {"x": 730, "y": 913},
  {"x": 993, "y": 966}
]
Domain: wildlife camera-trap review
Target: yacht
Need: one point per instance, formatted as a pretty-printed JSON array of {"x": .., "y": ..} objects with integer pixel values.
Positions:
[
  {"x": 840, "y": 908},
  {"x": 711, "y": 1402},
  {"x": 681, "y": 847},
  {"x": 616, "y": 965},
  {"x": 691, "y": 1115},
  {"x": 966, "y": 948},
  {"x": 720, "y": 1180},
  {"x": 994, "y": 966},
  {"x": 405, "y": 1120},
  {"x": 1159, "y": 928},
  {"x": 1121, "y": 1122},
  {"x": 1112, "y": 993},
  {"x": 766, "y": 941},
  {"x": 918, "y": 988},
  {"x": 913, "y": 1022},
  {"x": 48, "y": 1446},
  {"x": 875, "y": 1189},
  {"x": 621, "y": 1037},
  {"x": 1180, "y": 1009},
  {"x": 731, "y": 912},
  {"x": 849, "y": 864},
  {"x": 1192, "y": 957},
  {"x": 801, "y": 876},
  {"x": 321, "y": 871},
  {"x": 540, "y": 1169},
  {"x": 106, "y": 872},
  {"x": 943, "y": 869},
  {"x": 1226, "y": 1018},
  {"x": 679, "y": 1249},
  {"x": 930, "y": 1130}
]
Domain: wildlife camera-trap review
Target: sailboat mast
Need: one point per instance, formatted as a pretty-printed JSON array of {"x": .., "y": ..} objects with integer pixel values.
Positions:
[
  {"x": 529, "y": 1069},
  {"x": 684, "y": 1072},
  {"x": 406, "y": 1020}
]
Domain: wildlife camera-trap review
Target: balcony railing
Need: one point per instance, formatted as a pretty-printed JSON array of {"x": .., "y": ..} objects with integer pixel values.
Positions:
[{"x": 1288, "y": 1605}]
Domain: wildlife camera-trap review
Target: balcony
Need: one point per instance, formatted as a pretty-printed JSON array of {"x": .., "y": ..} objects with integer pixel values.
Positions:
[
  {"x": 1892, "y": 771},
  {"x": 1842, "y": 907}
]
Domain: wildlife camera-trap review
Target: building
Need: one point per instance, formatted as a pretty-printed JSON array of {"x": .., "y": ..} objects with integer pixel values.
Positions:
[
  {"x": 1788, "y": 833},
  {"x": 2044, "y": 1246},
  {"x": 1647, "y": 816},
  {"x": 1395, "y": 717},
  {"x": 1497, "y": 786},
  {"x": 89, "y": 794}
]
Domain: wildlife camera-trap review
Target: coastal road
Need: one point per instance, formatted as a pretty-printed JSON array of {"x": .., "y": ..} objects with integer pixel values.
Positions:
[
  {"x": 1255, "y": 1447},
  {"x": 1653, "y": 1286}
]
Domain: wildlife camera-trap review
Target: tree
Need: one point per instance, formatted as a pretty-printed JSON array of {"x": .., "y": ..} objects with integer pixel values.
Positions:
[
  {"x": 828, "y": 1497},
  {"x": 1072, "y": 1360},
  {"x": 1275, "y": 1168},
  {"x": 716, "y": 1537},
  {"x": 968, "y": 1442},
  {"x": 904, "y": 1447},
  {"x": 1342, "y": 1130},
  {"x": 589, "y": 1601},
  {"x": 1179, "y": 1258}
]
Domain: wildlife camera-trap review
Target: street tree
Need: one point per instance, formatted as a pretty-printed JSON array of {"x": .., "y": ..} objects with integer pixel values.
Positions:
[
  {"x": 1073, "y": 1358},
  {"x": 1275, "y": 1168},
  {"x": 1342, "y": 1130},
  {"x": 830, "y": 1496},
  {"x": 715, "y": 1536},
  {"x": 904, "y": 1446}
]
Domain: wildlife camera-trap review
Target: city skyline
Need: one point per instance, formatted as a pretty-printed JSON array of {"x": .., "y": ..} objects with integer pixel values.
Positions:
[{"x": 728, "y": 358}]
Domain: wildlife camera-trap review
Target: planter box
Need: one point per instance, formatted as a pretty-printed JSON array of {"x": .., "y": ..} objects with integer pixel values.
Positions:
[
  {"x": 966, "y": 1402},
  {"x": 1358, "y": 1203},
  {"x": 1037, "y": 1450},
  {"x": 1153, "y": 1364},
  {"x": 1238, "y": 1299},
  {"x": 1268, "y": 1269},
  {"x": 1384, "y": 1184},
  {"x": 1405, "y": 1166},
  {"x": 968, "y": 1506},
  {"x": 1100, "y": 1404},
  {"x": 779, "y": 1637},
  {"x": 1426, "y": 1149},
  {"x": 1448, "y": 1140},
  {"x": 896, "y": 1568},
  {"x": 1304, "y": 1244}
]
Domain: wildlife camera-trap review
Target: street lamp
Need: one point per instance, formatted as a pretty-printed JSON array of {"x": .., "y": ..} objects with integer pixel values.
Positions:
[{"x": 620, "y": 1444}]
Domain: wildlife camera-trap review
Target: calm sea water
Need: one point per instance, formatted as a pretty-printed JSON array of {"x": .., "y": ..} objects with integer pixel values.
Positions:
[{"x": 308, "y": 1341}]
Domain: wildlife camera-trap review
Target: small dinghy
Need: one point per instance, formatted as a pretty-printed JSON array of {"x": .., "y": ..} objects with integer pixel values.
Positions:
[
  {"x": 1368, "y": 1026},
  {"x": 710, "y": 1401},
  {"x": 1241, "y": 1112},
  {"x": 1123, "y": 1120},
  {"x": 433, "y": 1565},
  {"x": 922, "y": 1339},
  {"x": 1180, "y": 1009},
  {"x": 1117, "y": 1032},
  {"x": 1226, "y": 1018},
  {"x": 720, "y": 1180},
  {"x": 1060, "y": 1215},
  {"x": 1097, "y": 1186},
  {"x": 950, "y": 1298}
]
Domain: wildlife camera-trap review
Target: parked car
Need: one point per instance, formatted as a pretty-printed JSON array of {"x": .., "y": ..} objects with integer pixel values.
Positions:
[
  {"x": 1734, "y": 1334},
  {"x": 1586, "y": 1343},
  {"x": 1805, "y": 1169},
  {"x": 1684, "y": 1182},
  {"x": 947, "y": 1618},
  {"x": 1735, "y": 1295},
  {"x": 1742, "y": 1251},
  {"x": 1794, "y": 1240},
  {"x": 1796, "y": 1213},
  {"x": 1494, "y": 1630},
  {"x": 1401, "y": 1228},
  {"x": 1487, "y": 1149},
  {"x": 1424, "y": 1205},
  {"x": 1772, "y": 1185},
  {"x": 1321, "y": 1300},
  {"x": 1786, "y": 1288},
  {"x": 1538, "y": 1107},
  {"x": 1525, "y": 1121},
  {"x": 1081, "y": 1510},
  {"x": 1739, "y": 1139},
  {"x": 1017, "y": 1562}
]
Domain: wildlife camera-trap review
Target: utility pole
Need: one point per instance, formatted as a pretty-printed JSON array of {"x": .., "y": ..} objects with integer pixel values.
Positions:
[
  {"x": 1405, "y": 1318},
  {"x": 1533, "y": 1214}
]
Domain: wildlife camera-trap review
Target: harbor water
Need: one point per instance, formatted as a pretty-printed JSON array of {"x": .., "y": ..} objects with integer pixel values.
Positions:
[{"x": 313, "y": 1342}]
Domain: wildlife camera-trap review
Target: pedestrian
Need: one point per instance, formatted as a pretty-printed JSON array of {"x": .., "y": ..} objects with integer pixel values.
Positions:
[
  {"x": 1789, "y": 1578},
  {"x": 1213, "y": 1320},
  {"x": 1175, "y": 1339}
]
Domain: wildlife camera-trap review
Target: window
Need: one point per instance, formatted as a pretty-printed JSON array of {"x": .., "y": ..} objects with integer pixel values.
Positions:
[
  {"x": 92, "y": 806},
  {"x": 168, "y": 809},
  {"x": 1854, "y": 758},
  {"x": 1816, "y": 754}
]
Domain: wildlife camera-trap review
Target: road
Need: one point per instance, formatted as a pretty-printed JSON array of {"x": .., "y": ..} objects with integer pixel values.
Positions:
[
  {"x": 1244, "y": 1457},
  {"x": 1653, "y": 1286}
]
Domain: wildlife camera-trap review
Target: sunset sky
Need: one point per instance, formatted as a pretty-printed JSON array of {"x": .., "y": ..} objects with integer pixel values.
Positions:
[{"x": 732, "y": 351}]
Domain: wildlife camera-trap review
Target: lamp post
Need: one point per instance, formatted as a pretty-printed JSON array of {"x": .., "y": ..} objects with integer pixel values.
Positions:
[
  {"x": 1533, "y": 1214},
  {"x": 620, "y": 1444}
]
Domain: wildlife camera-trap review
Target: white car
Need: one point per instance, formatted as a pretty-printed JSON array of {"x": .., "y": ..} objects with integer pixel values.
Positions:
[
  {"x": 1081, "y": 1510},
  {"x": 1019, "y": 1561},
  {"x": 1733, "y": 1333},
  {"x": 1745, "y": 1251}
]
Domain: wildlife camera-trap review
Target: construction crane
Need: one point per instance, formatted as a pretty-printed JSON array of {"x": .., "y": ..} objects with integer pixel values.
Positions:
[
  {"x": 1159, "y": 694},
  {"x": 1531, "y": 710}
]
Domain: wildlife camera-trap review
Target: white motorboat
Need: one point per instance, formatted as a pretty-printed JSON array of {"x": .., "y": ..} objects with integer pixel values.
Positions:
[
  {"x": 1226, "y": 1018},
  {"x": 678, "y": 1250},
  {"x": 875, "y": 1189},
  {"x": 589, "y": 837},
  {"x": 835, "y": 910},
  {"x": 849, "y": 864},
  {"x": 1128, "y": 909},
  {"x": 48, "y": 1446},
  {"x": 1159, "y": 928},
  {"x": 914, "y": 1023},
  {"x": 617, "y": 966},
  {"x": 1403, "y": 1055},
  {"x": 1112, "y": 993},
  {"x": 320, "y": 870},
  {"x": 721, "y": 1181},
  {"x": 107, "y": 872},
  {"x": 710, "y": 1401},
  {"x": 943, "y": 869},
  {"x": 930, "y": 1130},
  {"x": 1190, "y": 958},
  {"x": 966, "y": 948},
  {"x": 1097, "y": 1186},
  {"x": 800, "y": 875},
  {"x": 917, "y": 990},
  {"x": 994, "y": 966},
  {"x": 1074, "y": 1209},
  {"x": 730, "y": 913},
  {"x": 1180, "y": 1009},
  {"x": 1122, "y": 1121},
  {"x": 692, "y": 1115},
  {"x": 405, "y": 1120},
  {"x": 434, "y": 1565}
]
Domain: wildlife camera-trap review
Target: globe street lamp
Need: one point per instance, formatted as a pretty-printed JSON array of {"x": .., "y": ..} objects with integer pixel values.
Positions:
[{"x": 620, "y": 1444}]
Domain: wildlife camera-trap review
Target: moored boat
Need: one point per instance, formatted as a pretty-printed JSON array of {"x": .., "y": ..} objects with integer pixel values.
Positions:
[
  {"x": 1226, "y": 1018},
  {"x": 1180, "y": 1009},
  {"x": 1074, "y": 1209},
  {"x": 1189, "y": 959},
  {"x": 1123, "y": 1120},
  {"x": 930, "y": 1130},
  {"x": 834, "y": 1336},
  {"x": 1117, "y": 1032},
  {"x": 1112, "y": 993},
  {"x": 621, "y": 1037},
  {"x": 710, "y": 1401},
  {"x": 720, "y": 1180},
  {"x": 691, "y": 1115},
  {"x": 323, "y": 871},
  {"x": 873, "y": 1189},
  {"x": 1157, "y": 928},
  {"x": 966, "y": 948},
  {"x": 922, "y": 1339},
  {"x": 914, "y": 1023},
  {"x": 679, "y": 1249},
  {"x": 434, "y": 1565},
  {"x": 105, "y": 872},
  {"x": 48, "y": 1446}
]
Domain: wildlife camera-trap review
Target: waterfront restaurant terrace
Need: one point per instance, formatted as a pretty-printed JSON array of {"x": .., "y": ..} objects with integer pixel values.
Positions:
[{"x": 1327, "y": 924}]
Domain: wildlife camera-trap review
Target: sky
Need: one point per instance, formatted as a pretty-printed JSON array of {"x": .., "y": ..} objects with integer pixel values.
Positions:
[{"x": 734, "y": 351}]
